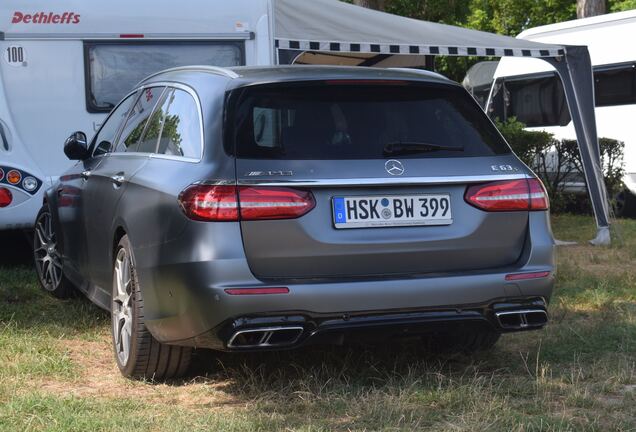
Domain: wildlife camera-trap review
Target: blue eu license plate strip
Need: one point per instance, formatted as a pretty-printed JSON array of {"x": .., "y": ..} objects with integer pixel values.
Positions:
[
  {"x": 392, "y": 210},
  {"x": 339, "y": 210}
]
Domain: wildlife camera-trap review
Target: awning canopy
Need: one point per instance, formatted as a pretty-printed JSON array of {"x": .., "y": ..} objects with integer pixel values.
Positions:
[{"x": 332, "y": 26}]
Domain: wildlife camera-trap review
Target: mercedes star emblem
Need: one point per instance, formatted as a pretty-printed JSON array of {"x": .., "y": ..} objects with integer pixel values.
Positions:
[{"x": 394, "y": 167}]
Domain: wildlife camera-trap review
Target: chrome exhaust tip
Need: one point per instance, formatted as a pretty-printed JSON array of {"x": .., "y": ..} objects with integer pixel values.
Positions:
[
  {"x": 265, "y": 337},
  {"x": 522, "y": 319}
]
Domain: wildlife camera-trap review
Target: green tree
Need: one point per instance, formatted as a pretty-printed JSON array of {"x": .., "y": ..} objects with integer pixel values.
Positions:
[
  {"x": 622, "y": 5},
  {"x": 442, "y": 11}
]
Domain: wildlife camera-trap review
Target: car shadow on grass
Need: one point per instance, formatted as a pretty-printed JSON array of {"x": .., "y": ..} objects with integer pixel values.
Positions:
[{"x": 332, "y": 370}]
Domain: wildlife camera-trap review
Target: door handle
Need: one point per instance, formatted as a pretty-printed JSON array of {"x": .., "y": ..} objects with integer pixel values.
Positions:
[
  {"x": 118, "y": 179},
  {"x": 85, "y": 174}
]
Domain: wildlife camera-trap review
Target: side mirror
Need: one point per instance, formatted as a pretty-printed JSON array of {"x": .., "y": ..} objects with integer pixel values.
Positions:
[{"x": 76, "y": 146}]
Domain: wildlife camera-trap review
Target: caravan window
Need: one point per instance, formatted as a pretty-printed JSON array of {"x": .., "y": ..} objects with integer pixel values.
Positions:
[
  {"x": 615, "y": 85},
  {"x": 114, "y": 68},
  {"x": 533, "y": 100},
  {"x": 539, "y": 100}
]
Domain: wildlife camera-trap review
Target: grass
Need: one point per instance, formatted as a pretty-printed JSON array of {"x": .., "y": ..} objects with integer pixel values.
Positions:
[{"x": 579, "y": 374}]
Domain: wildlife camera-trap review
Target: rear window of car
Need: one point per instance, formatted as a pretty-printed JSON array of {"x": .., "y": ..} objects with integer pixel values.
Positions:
[{"x": 339, "y": 120}]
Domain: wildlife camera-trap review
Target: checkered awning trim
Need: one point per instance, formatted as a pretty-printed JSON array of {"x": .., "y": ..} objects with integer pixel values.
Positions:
[{"x": 306, "y": 45}]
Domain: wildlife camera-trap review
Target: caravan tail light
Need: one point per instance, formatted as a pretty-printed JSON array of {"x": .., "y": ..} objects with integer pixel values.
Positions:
[
  {"x": 232, "y": 203},
  {"x": 5, "y": 197},
  {"x": 14, "y": 177},
  {"x": 509, "y": 195}
]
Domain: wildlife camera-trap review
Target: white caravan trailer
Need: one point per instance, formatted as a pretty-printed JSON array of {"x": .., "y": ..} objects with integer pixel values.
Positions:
[
  {"x": 529, "y": 89},
  {"x": 66, "y": 63}
]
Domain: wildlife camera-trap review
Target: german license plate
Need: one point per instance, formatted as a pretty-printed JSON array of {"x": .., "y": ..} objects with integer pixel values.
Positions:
[{"x": 391, "y": 210}]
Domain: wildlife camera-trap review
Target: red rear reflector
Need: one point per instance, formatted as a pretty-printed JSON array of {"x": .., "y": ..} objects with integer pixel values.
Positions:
[
  {"x": 131, "y": 35},
  {"x": 509, "y": 195},
  {"x": 5, "y": 197},
  {"x": 253, "y": 291},
  {"x": 221, "y": 202},
  {"x": 523, "y": 276}
]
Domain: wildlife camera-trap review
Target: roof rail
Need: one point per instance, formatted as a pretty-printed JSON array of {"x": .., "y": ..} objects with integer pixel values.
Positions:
[{"x": 203, "y": 68}]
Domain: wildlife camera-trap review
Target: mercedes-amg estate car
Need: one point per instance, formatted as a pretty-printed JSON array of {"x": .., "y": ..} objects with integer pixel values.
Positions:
[{"x": 269, "y": 208}]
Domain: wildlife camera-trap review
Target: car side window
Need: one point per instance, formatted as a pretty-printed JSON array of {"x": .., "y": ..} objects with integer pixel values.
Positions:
[
  {"x": 181, "y": 126},
  {"x": 150, "y": 139},
  {"x": 140, "y": 112},
  {"x": 103, "y": 141}
]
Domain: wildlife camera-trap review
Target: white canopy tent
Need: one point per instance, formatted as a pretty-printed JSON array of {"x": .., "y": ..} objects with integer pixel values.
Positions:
[{"x": 332, "y": 27}]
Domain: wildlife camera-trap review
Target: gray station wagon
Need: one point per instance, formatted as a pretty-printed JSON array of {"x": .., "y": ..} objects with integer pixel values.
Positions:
[{"x": 268, "y": 208}]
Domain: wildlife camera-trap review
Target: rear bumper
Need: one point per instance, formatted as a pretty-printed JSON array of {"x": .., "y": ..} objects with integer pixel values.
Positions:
[
  {"x": 185, "y": 302},
  {"x": 209, "y": 316}
]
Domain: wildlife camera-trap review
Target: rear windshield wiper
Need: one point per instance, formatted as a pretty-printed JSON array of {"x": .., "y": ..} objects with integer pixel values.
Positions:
[{"x": 404, "y": 147}]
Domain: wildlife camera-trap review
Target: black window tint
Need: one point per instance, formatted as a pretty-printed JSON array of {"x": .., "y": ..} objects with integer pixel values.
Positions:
[
  {"x": 103, "y": 141},
  {"x": 113, "y": 68},
  {"x": 537, "y": 101},
  {"x": 137, "y": 119},
  {"x": 181, "y": 128},
  {"x": 615, "y": 86},
  {"x": 344, "y": 121}
]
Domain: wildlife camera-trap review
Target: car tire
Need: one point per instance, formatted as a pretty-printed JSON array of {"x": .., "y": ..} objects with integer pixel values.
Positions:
[
  {"x": 466, "y": 340},
  {"x": 47, "y": 261},
  {"x": 137, "y": 353}
]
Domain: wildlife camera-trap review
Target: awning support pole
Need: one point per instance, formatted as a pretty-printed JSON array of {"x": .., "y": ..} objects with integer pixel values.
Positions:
[{"x": 576, "y": 67}]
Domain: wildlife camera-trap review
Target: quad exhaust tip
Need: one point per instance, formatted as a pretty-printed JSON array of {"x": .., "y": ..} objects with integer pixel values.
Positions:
[
  {"x": 522, "y": 319},
  {"x": 265, "y": 337}
]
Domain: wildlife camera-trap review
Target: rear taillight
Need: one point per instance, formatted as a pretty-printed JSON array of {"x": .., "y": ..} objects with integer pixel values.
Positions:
[
  {"x": 510, "y": 195},
  {"x": 274, "y": 203},
  {"x": 232, "y": 203},
  {"x": 210, "y": 203},
  {"x": 5, "y": 197}
]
